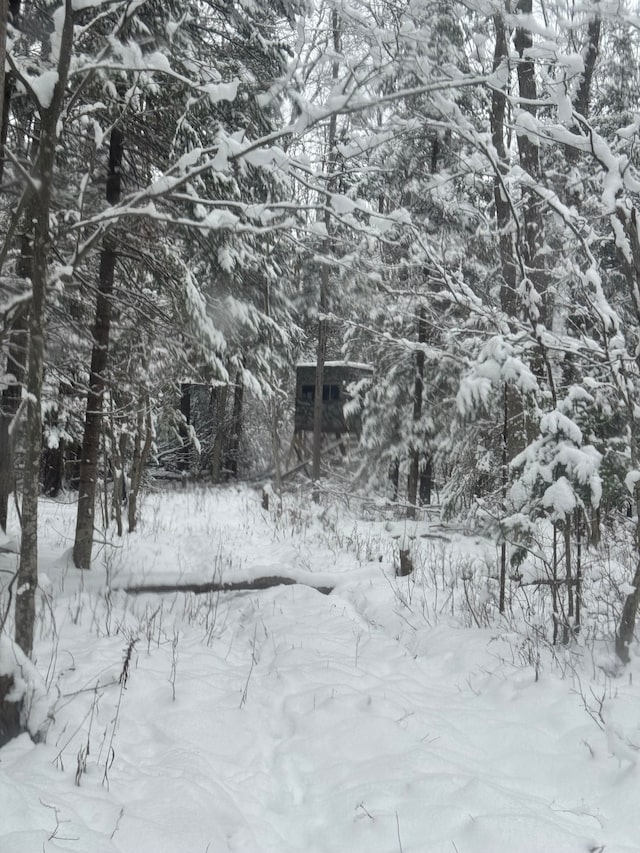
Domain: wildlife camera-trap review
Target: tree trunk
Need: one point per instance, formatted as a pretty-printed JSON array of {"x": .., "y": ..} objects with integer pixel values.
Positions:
[
  {"x": 589, "y": 56},
  {"x": 99, "y": 356},
  {"x": 508, "y": 294},
  {"x": 218, "y": 443},
  {"x": 141, "y": 450},
  {"x": 275, "y": 445},
  {"x": 578, "y": 529},
  {"x": 4, "y": 89},
  {"x": 554, "y": 584},
  {"x": 9, "y": 405},
  {"x": 17, "y": 366},
  {"x": 321, "y": 351},
  {"x": 627, "y": 626},
  {"x": 27, "y": 578},
  {"x": 505, "y": 483},
  {"x": 530, "y": 162},
  {"x": 119, "y": 446},
  {"x": 417, "y": 451},
  {"x": 509, "y": 300},
  {"x": 426, "y": 482},
  {"x": 569, "y": 625},
  {"x": 184, "y": 453},
  {"x": 236, "y": 425},
  {"x": 10, "y": 398},
  {"x": 11, "y": 9},
  {"x": 323, "y": 307},
  {"x": 27, "y": 581},
  {"x": 52, "y": 465},
  {"x": 631, "y": 267},
  {"x": 394, "y": 477}
]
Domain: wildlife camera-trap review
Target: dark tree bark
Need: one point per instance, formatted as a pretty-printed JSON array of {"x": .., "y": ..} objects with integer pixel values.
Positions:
[
  {"x": 426, "y": 482},
  {"x": 583, "y": 96},
  {"x": 218, "y": 443},
  {"x": 7, "y": 10},
  {"x": 236, "y": 425},
  {"x": 9, "y": 405},
  {"x": 418, "y": 391},
  {"x": 184, "y": 454},
  {"x": 530, "y": 161},
  {"x": 578, "y": 529},
  {"x": 394, "y": 477},
  {"x": 627, "y": 626},
  {"x": 508, "y": 295},
  {"x": 4, "y": 88},
  {"x": 99, "y": 357},
  {"x": 10, "y": 725},
  {"x": 52, "y": 466},
  {"x": 534, "y": 273}
]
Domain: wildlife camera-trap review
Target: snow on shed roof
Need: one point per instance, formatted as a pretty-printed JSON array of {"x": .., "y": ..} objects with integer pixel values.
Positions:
[{"x": 359, "y": 365}]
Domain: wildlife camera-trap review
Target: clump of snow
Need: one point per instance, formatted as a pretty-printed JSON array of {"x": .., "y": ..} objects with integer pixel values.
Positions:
[
  {"x": 497, "y": 364},
  {"x": 560, "y": 497},
  {"x": 630, "y": 481},
  {"x": 222, "y": 91},
  {"x": 43, "y": 87}
]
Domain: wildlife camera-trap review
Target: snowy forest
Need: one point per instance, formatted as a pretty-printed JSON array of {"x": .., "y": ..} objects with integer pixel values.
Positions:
[{"x": 435, "y": 202}]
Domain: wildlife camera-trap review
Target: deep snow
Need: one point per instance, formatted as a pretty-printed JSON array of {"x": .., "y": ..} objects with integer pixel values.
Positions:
[{"x": 286, "y": 721}]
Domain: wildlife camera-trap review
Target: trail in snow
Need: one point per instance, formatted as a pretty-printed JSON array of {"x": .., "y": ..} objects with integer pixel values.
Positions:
[{"x": 303, "y": 723}]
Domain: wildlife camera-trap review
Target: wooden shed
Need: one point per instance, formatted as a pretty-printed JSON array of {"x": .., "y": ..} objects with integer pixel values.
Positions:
[{"x": 340, "y": 379}]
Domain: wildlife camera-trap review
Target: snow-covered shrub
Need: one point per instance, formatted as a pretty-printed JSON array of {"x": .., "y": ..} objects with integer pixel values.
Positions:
[
  {"x": 23, "y": 700},
  {"x": 558, "y": 474}
]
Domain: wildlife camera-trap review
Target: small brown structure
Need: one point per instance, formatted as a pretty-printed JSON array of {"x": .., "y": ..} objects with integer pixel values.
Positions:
[{"x": 339, "y": 379}]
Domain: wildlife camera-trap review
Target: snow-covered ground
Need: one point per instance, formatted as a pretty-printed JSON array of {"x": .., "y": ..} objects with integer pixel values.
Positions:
[{"x": 378, "y": 718}]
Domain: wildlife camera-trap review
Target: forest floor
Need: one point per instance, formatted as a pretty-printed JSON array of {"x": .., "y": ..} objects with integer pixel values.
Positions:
[{"x": 389, "y": 716}]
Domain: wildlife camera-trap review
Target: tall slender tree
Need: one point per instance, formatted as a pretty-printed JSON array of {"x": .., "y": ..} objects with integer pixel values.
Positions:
[{"x": 97, "y": 377}]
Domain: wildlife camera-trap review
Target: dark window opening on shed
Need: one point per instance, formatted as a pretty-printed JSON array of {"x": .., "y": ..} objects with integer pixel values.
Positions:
[{"x": 330, "y": 392}]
